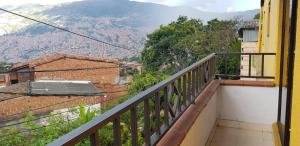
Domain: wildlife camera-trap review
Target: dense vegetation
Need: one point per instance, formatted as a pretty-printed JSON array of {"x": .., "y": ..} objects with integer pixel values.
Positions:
[
  {"x": 168, "y": 49},
  {"x": 257, "y": 16},
  {"x": 2, "y": 66},
  {"x": 181, "y": 43}
]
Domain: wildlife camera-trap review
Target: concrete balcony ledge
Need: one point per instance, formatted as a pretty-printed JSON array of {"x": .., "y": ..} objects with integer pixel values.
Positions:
[
  {"x": 236, "y": 108},
  {"x": 180, "y": 129}
]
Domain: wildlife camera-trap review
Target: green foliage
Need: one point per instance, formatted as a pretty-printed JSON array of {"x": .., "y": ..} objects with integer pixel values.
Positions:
[
  {"x": 232, "y": 62},
  {"x": 183, "y": 42},
  {"x": 2, "y": 66},
  {"x": 171, "y": 45},
  {"x": 34, "y": 134},
  {"x": 257, "y": 16},
  {"x": 146, "y": 80}
]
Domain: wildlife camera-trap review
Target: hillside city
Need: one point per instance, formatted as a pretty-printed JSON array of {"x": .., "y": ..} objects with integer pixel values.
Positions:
[{"x": 133, "y": 72}]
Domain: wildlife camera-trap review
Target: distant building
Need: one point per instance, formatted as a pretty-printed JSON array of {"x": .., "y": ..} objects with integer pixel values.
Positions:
[
  {"x": 4, "y": 81},
  {"x": 249, "y": 44},
  {"x": 128, "y": 69},
  {"x": 56, "y": 79},
  {"x": 43, "y": 97},
  {"x": 66, "y": 67}
]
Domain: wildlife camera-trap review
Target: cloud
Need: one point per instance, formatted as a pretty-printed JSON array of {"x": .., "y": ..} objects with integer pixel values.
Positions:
[
  {"x": 42, "y": 2},
  {"x": 230, "y": 9},
  {"x": 211, "y": 5}
]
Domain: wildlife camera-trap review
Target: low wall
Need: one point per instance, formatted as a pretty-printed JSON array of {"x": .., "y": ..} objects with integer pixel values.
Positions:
[
  {"x": 248, "y": 104},
  {"x": 203, "y": 126}
]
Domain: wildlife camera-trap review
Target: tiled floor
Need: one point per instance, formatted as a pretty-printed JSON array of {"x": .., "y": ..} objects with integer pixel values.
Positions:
[{"x": 239, "y": 136}]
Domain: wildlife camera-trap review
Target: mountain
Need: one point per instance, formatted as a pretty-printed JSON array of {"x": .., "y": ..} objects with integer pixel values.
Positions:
[{"x": 120, "y": 22}]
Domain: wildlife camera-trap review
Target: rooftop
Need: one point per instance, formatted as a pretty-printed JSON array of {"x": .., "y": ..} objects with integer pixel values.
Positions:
[
  {"x": 58, "y": 56},
  {"x": 53, "y": 88}
]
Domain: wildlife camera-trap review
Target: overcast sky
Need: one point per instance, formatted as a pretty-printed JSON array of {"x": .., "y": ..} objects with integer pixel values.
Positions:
[
  {"x": 205, "y": 5},
  {"x": 211, "y": 5}
]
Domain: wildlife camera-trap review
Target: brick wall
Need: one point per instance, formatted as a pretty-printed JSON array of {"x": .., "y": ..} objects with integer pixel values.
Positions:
[
  {"x": 113, "y": 91},
  {"x": 2, "y": 80},
  {"x": 41, "y": 104},
  {"x": 106, "y": 75}
]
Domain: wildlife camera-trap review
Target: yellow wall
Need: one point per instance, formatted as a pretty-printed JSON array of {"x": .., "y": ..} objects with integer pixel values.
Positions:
[
  {"x": 270, "y": 36},
  {"x": 295, "y": 118}
]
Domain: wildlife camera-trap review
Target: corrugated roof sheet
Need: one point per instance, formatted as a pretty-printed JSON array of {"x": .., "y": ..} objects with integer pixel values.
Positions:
[
  {"x": 63, "y": 89},
  {"x": 53, "y": 88}
]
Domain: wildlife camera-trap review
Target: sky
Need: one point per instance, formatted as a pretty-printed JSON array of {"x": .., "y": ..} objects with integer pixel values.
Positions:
[
  {"x": 205, "y": 5},
  {"x": 42, "y": 2},
  {"x": 211, "y": 5}
]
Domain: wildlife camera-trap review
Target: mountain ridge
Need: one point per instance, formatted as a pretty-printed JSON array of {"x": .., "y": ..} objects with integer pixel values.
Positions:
[{"x": 120, "y": 22}]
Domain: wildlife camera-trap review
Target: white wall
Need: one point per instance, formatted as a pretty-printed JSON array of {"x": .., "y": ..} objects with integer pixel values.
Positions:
[
  {"x": 248, "y": 104},
  {"x": 203, "y": 126}
]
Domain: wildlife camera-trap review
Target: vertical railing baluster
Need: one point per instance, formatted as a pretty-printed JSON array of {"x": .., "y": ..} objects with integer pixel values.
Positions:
[
  {"x": 201, "y": 77},
  {"x": 189, "y": 88},
  {"x": 196, "y": 81},
  {"x": 166, "y": 106},
  {"x": 179, "y": 86},
  {"x": 117, "y": 132},
  {"x": 94, "y": 138},
  {"x": 263, "y": 65},
  {"x": 194, "y": 84},
  {"x": 225, "y": 66},
  {"x": 157, "y": 113},
  {"x": 147, "y": 122},
  {"x": 249, "y": 73},
  {"x": 214, "y": 66},
  {"x": 134, "y": 129},
  {"x": 209, "y": 70},
  {"x": 184, "y": 91}
]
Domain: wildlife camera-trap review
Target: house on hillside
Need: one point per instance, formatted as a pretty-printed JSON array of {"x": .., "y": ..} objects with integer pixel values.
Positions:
[
  {"x": 66, "y": 67},
  {"x": 103, "y": 73},
  {"x": 43, "y": 97},
  {"x": 3, "y": 80}
]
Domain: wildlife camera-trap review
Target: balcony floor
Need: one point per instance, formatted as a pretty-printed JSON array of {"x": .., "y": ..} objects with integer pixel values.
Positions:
[{"x": 236, "y": 136}]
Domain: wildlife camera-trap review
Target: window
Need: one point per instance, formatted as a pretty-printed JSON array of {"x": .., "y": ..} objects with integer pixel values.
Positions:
[{"x": 14, "y": 81}]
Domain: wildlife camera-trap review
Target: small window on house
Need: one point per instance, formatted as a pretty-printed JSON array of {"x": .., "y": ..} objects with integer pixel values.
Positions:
[
  {"x": 14, "y": 81},
  {"x": 241, "y": 67},
  {"x": 242, "y": 49},
  {"x": 269, "y": 17}
]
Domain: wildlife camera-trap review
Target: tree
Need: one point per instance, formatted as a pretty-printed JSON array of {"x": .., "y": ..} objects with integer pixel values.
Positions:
[
  {"x": 183, "y": 42},
  {"x": 257, "y": 16},
  {"x": 171, "y": 46},
  {"x": 2, "y": 66}
]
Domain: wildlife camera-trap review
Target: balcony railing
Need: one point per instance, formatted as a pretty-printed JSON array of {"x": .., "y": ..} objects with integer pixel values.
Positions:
[
  {"x": 157, "y": 108},
  {"x": 170, "y": 97},
  {"x": 255, "y": 61}
]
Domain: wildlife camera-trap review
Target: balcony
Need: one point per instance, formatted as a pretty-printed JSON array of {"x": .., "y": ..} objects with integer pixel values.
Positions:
[{"x": 194, "y": 107}]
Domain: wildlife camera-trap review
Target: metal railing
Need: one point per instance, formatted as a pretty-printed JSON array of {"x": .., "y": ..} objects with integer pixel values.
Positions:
[
  {"x": 170, "y": 97},
  {"x": 260, "y": 60}
]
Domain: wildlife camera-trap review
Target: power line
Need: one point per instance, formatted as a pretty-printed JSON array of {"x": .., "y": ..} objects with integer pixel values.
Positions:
[
  {"x": 14, "y": 97},
  {"x": 40, "y": 108},
  {"x": 53, "y": 105},
  {"x": 63, "y": 29},
  {"x": 42, "y": 117}
]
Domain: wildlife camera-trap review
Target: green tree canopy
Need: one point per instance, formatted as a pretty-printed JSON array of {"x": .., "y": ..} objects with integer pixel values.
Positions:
[
  {"x": 2, "y": 66},
  {"x": 257, "y": 16},
  {"x": 177, "y": 45}
]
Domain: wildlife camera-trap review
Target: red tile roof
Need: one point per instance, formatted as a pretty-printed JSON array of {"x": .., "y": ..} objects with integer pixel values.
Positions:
[{"x": 58, "y": 56}]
